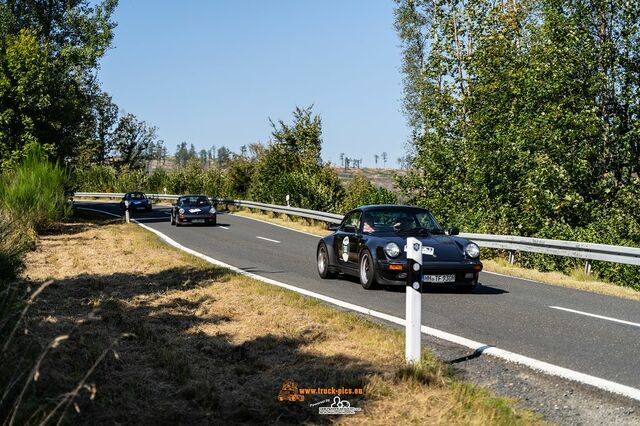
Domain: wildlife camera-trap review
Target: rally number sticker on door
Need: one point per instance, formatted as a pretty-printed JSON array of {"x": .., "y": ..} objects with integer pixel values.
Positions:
[{"x": 345, "y": 249}]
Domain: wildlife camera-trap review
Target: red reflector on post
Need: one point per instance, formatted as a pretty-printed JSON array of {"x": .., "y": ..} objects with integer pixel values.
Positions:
[{"x": 395, "y": 267}]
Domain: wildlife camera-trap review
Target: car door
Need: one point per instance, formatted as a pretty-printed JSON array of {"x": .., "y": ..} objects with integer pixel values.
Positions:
[{"x": 346, "y": 241}]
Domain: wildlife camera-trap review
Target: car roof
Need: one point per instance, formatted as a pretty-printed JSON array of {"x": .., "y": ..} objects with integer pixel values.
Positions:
[
  {"x": 388, "y": 206},
  {"x": 193, "y": 195}
]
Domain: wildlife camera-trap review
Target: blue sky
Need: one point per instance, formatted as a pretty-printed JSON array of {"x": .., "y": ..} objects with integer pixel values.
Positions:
[{"x": 214, "y": 72}]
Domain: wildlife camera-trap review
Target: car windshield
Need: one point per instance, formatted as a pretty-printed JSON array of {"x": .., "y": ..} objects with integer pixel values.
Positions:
[
  {"x": 136, "y": 196},
  {"x": 400, "y": 220},
  {"x": 197, "y": 200}
]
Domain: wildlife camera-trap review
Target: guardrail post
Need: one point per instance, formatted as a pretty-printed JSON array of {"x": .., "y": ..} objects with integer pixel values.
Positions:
[
  {"x": 413, "y": 320},
  {"x": 126, "y": 211},
  {"x": 287, "y": 199},
  {"x": 587, "y": 267},
  {"x": 512, "y": 257}
]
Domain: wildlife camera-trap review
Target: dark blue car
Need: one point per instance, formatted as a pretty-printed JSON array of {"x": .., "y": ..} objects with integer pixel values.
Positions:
[
  {"x": 135, "y": 201},
  {"x": 370, "y": 243},
  {"x": 193, "y": 209}
]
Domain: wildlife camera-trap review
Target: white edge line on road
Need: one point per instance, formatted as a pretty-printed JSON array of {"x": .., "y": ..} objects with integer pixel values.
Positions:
[
  {"x": 532, "y": 363},
  {"x": 223, "y": 227},
  {"x": 635, "y": 324},
  {"x": 268, "y": 239},
  {"x": 96, "y": 210},
  {"x": 276, "y": 224}
]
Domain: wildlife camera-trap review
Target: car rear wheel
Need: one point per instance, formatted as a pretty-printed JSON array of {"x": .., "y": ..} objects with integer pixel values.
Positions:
[
  {"x": 173, "y": 220},
  {"x": 323, "y": 262},
  {"x": 367, "y": 271}
]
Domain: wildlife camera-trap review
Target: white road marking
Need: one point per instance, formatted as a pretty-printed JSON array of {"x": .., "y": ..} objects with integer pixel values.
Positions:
[
  {"x": 268, "y": 239},
  {"x": 535, "y": 364},
  {"x": 223, "y": 227},
  {"x": 278, "y": 225},
  {"x": 635, "y": 324}
]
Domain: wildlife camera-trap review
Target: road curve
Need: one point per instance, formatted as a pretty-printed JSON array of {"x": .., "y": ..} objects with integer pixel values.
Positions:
[{"x": 586, "y": 332}]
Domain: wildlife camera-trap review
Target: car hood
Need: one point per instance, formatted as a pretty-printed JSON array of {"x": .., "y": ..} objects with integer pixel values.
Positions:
[
  {"x": 445, "y": 247},
  {"x": 197, "y": 209}
]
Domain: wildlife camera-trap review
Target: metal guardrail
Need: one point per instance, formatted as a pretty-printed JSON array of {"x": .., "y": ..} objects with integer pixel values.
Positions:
[
  {"x": 574, "y": 249},
  {"x": 308, "y": 214}
]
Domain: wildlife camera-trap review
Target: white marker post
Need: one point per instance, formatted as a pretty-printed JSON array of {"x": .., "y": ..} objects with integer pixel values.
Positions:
[
  {"x": 126, "y": 211},
  {"x": 414, "y": 300},
  {"x": 287, "y": 199}
]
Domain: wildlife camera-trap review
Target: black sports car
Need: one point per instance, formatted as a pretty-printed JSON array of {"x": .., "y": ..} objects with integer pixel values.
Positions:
[
  {"x": 193, "y": 209},
  {"x": 370, "y": 243},
  {"x": 136, "y": 201}
]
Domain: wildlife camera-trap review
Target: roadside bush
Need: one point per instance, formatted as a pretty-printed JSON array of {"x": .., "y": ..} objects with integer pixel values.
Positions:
[
  {"x": 157, "y": 181},
  {"x": 362, "y": 192},
  {"x": 96, "y": 178},
  {"x": 34, "y": 192}
]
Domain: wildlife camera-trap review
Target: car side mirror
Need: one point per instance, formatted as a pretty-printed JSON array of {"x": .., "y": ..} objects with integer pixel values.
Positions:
[
  {"x": 333, "y": 226},
  {"x": 453, "y": 231},
  {"x": 350, "y": 229}
]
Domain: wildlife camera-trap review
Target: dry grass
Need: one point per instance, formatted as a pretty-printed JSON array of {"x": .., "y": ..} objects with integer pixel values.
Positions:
[
  {"x": 208, "y": 346},
  {"x": 578, "y": 279}
]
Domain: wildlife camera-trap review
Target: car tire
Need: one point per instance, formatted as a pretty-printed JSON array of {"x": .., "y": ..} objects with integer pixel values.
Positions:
[
  {"x": 215, "y": 222},
  {"x": 322, "y": 263},
  {"x": 367, "y": 271},
  {"x": 173, "y": 221}
]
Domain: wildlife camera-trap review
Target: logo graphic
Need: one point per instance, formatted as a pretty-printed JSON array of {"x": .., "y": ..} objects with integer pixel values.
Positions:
[
  {"x": 416, "y": 246},
  {"x": 289, "y": 392},
  {"x": 339, "y": 406},
  {"x": 345, "y": 249},
  {"x": 429, "y": 251}
]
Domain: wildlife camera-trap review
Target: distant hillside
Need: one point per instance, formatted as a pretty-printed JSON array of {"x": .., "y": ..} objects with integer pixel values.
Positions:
[{"x": 379, "y": 177}]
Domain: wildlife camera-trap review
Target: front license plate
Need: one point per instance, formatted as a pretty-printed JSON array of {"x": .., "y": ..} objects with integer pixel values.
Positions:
[
  {"x": 198, "y": 220},
  {"x": 439, "y": 278}
]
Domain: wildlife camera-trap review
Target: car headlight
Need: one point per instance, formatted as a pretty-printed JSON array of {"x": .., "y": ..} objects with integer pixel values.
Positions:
[
  {"x": 181, "y": 211},
  {"x": 392, "y": 250},
  {"x": 472, "y": 250},
  {"x": 212, "y": 211}
]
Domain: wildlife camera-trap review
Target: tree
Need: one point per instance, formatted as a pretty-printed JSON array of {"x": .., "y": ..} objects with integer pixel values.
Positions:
[
  {"x": 131, "y": 142},
  {"x": 203, "y": 157},
  {"x": 292, "y": 165},
  {"x": 525, "y": 113},
  {"x": 49, "y": 54},
  {"x": 342, "y": 158},
  {"x": 375, "y": 157},
  {"x": 224, "y": 154},
  {"x": 384, "y": 159}
]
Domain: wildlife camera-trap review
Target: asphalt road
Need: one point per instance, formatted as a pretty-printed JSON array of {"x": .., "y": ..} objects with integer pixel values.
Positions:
[{"x": 505, "y": 312}]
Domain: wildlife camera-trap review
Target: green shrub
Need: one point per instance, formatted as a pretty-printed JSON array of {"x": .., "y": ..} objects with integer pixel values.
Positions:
[
  {"x": 361, "y": 192},
  {"x": 96, "y": 178},
  {"x": 33, "y": 193}
]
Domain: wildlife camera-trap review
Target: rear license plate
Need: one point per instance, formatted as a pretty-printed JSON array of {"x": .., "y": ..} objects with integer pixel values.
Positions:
[
  {"x": 198, "y": 220},
  {"x": 438, "y": 278}
]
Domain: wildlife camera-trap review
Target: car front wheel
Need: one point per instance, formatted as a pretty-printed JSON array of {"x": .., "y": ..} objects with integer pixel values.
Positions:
[
  {"x": 173, "y": 221},
  {"x": 323, "y": 262},
  {"x": 367, "y": 271}
]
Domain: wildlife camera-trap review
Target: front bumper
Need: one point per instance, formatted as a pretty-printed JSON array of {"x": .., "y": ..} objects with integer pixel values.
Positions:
[
  {"x": 195, "y": 218},
  {"x": 466, "y": 272},
  {"x": 139, "y": 206}
]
